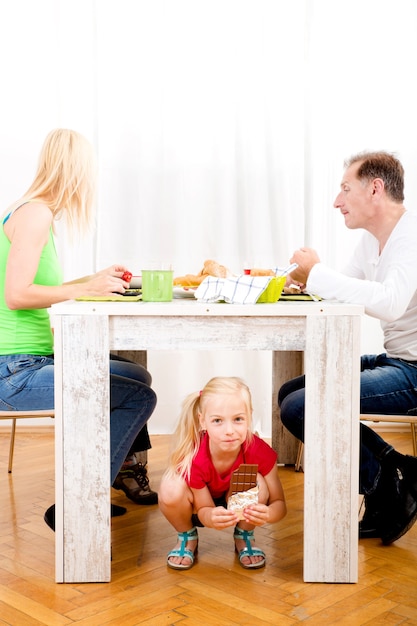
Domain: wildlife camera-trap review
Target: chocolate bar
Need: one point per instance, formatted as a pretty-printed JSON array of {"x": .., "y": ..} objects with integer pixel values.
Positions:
[{"x": 244, "y": 478}]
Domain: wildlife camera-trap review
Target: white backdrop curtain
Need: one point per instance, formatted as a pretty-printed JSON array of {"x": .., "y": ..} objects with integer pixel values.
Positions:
[{"x": 220, "y": 128}]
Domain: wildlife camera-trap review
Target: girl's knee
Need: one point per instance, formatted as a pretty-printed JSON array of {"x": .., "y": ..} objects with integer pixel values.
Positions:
[{"x": 173, "y": 490}]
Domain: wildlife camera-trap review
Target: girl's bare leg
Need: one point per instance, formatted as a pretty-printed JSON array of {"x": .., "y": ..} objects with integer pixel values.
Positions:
[
  {"x": 176, "y": 503},
  {"x": 263, "y": 497}
]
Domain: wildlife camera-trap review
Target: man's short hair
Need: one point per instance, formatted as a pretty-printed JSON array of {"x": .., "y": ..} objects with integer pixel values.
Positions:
[{"x": 381, "y": 165}]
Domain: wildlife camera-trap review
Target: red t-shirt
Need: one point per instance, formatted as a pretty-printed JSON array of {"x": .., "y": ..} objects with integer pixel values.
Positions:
[{"x": 204, "y": 474}]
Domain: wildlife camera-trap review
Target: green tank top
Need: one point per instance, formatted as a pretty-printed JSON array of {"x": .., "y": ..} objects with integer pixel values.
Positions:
[{"x": 28, "y": 331}]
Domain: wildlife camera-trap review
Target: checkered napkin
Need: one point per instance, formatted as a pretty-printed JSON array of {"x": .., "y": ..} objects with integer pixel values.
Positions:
[{"x": 243, "y": 289}]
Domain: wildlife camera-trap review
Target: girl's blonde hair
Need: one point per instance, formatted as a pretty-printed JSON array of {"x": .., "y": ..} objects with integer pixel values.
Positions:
[
  {"x": 188, "y": 431},
  {"x": 66, "y": 177}
]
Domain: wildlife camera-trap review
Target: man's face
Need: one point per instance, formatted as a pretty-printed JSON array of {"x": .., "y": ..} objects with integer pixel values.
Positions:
[{"x": 355, "y": 199}]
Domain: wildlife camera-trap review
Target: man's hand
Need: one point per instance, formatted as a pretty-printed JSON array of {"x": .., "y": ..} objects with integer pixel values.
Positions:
[{"x": 306, "y": 258}]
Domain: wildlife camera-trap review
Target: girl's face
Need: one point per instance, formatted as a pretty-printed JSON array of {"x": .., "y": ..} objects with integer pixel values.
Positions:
[{"x": 226, "y": 420}]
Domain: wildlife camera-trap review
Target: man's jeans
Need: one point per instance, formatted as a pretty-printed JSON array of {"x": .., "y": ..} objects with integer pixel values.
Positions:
[{"x": 387, "y": 386}]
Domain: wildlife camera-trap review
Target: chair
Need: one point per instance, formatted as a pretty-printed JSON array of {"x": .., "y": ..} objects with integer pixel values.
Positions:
[
  {"x": 14, "y": 415},
  {"x": 398, "y": 419}
]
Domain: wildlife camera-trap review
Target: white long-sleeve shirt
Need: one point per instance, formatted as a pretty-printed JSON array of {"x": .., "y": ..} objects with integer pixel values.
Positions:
[{"x": 385, "y": 284}]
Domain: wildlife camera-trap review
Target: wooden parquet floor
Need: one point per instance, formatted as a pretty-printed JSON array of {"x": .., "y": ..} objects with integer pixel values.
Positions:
[{"x": 215, "y": 592}]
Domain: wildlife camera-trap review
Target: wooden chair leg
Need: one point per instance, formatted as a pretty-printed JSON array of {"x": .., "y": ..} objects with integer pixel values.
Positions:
[
  {"x": 11, "y": 450},
  {"x": 300, "y": 451},
  {"x": 414, "y": 437}
]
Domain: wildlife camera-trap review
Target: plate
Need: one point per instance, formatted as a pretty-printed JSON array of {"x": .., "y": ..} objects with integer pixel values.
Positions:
[
  {"x": 183, "y": 292},
  {"x": 299, "y": 297},
  {"x": 114, "y": 298}
]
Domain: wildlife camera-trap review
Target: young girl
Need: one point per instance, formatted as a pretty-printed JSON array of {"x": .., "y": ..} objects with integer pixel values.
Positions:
[{"x": 214, "y": 437}]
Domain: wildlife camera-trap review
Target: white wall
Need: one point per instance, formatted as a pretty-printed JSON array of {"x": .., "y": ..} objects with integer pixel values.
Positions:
[{"x": 220, "y": 126}]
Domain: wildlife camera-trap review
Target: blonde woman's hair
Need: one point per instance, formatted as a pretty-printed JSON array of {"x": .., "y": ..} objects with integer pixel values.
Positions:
[
  {"x": 188, "y": 432},
  {"x": 66, "y": 177}
]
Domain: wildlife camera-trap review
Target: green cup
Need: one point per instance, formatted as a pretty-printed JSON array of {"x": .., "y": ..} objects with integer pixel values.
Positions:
[{"x": 157, "y": 285}]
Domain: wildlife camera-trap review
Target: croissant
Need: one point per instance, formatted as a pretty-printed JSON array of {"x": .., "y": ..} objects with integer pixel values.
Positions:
[{"x": 189, "y": 280}]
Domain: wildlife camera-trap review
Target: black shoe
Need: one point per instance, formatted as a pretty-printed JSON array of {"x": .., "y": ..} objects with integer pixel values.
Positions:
[
  {"x": 49, "y": 515},
  {"x": 370, "y": 525},
  {"x": 403, "y": 517},
  {"x": 407, "y": 465},
  {"x": 134, "y": 482},
  {"x": 116, "y": 510}
]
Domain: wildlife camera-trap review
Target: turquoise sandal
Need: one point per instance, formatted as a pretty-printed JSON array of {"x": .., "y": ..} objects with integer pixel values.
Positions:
[
  {"x": 189, "y": 535},
  {"x": 247, "y": 536}
]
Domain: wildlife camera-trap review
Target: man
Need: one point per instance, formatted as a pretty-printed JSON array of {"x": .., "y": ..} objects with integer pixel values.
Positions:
[{"x": 382, "y": 276}]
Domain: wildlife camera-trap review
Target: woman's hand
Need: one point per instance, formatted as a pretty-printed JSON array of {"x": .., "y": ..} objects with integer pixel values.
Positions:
[
  {"x": 102, "y": 284},
  {"x": 105, "y": 282},
  {"x": 113, "y": 270}
]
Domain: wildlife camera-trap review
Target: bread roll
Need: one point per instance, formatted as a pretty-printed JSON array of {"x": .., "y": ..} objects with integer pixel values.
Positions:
[
  {"x": 260, "y": 272},
  {"x": 211, "y": 268}
]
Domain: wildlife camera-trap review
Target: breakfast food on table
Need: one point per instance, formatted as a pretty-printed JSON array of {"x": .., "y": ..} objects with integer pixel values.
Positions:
[
  {"x": 127, "y": 276},
  {"x": 210, "y": 268},
  {"x": 292, "y": 289},
  {"x": 190, "y": 280},
  {"x": 261, "y": 272}
]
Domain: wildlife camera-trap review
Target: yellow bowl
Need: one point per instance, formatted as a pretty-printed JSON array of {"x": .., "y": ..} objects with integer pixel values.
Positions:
[{"x": 274, "y": 290}]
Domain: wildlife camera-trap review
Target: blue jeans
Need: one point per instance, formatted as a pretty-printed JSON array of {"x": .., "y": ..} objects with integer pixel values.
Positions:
[
  {"x": 27, "y": 383},
  {"x": 387, "y": 386},
  {"x": 124, "y": 367}
]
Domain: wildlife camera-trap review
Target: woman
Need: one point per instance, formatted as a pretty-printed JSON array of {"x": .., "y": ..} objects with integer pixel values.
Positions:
[{"x": 31, "y": 281}]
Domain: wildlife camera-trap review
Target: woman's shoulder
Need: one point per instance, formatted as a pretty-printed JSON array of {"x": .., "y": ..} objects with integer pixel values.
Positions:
[
  {"x": 35, "y": 205},
  {"x": 35, "y": 212}
]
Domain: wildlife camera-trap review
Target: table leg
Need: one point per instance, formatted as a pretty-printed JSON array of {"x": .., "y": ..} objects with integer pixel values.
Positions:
[
  {"x": 83, "y": 549},
  {"x": 331, "y": 453}
]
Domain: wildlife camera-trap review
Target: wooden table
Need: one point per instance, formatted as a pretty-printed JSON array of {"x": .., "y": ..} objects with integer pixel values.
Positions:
[{"x": 327, "y": 333}]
